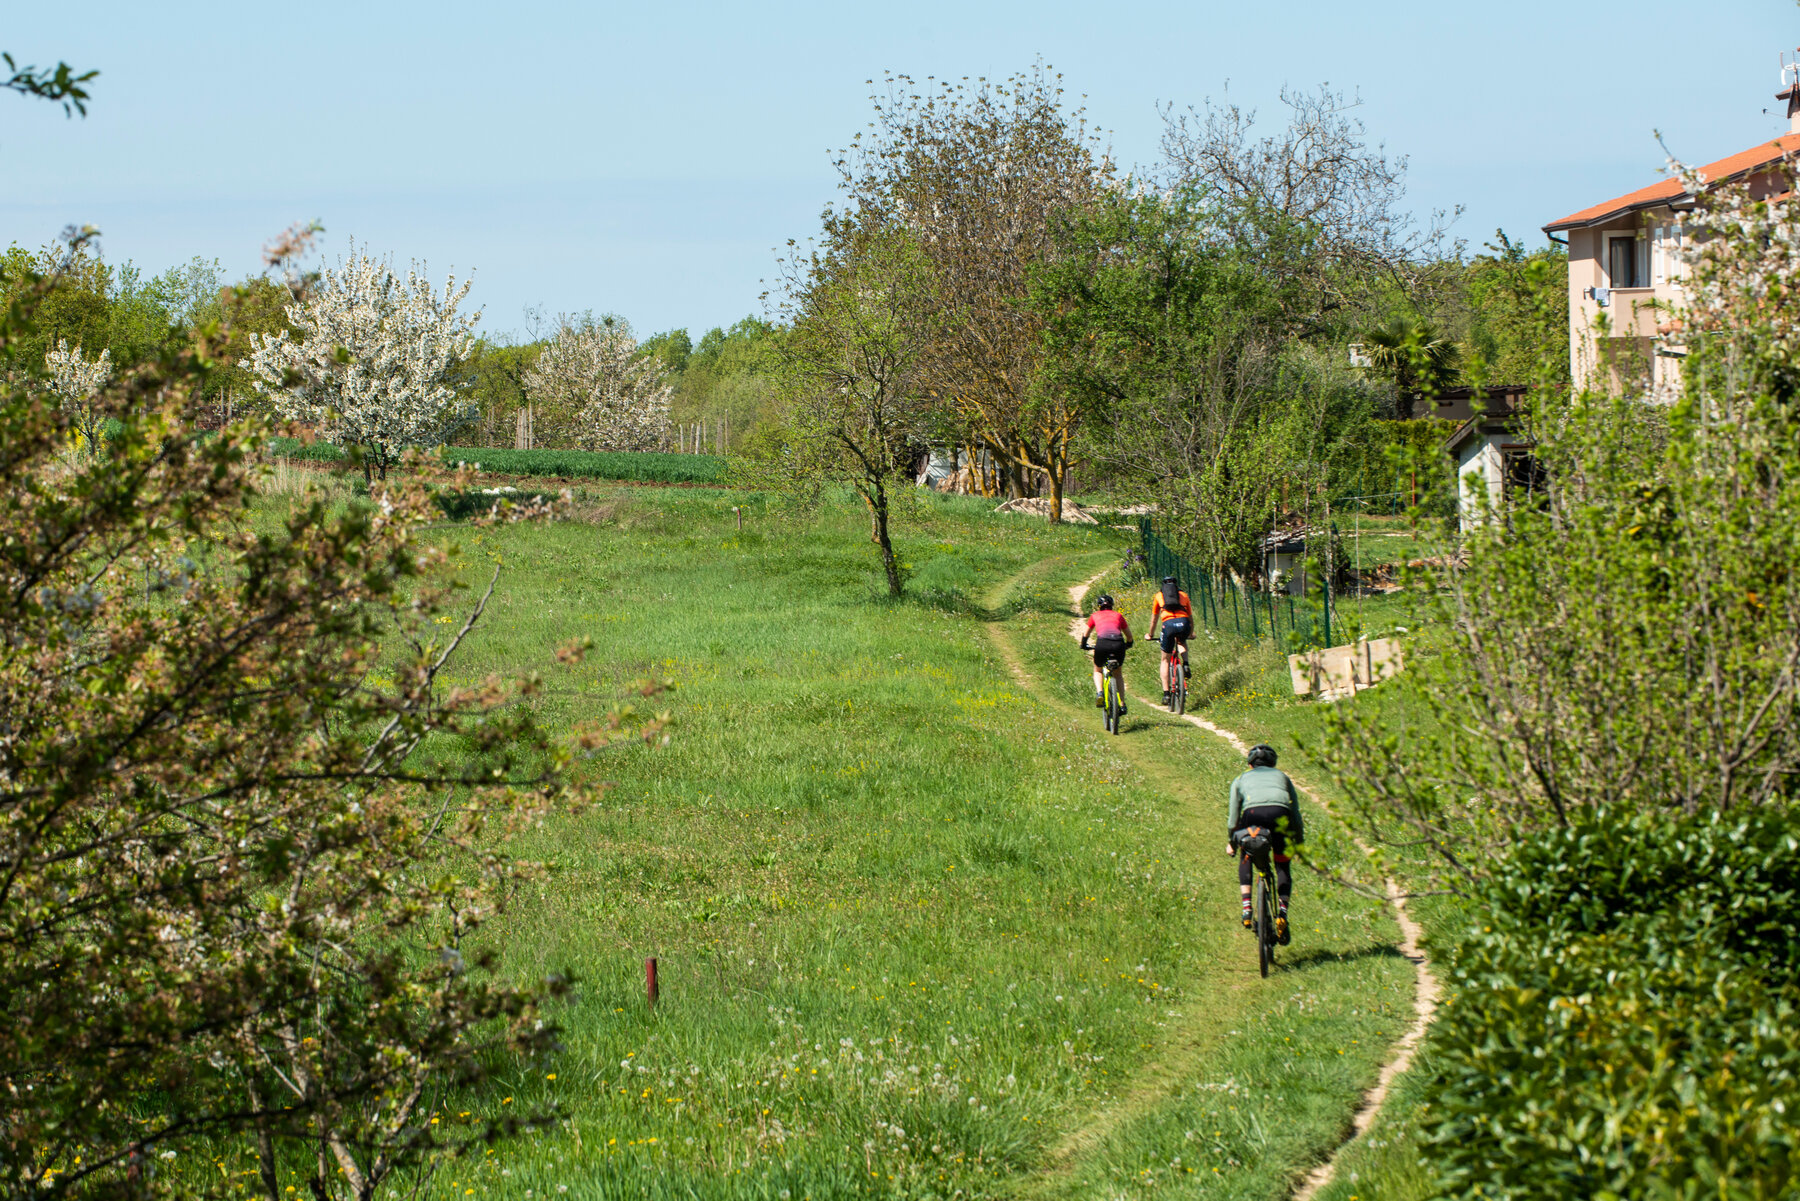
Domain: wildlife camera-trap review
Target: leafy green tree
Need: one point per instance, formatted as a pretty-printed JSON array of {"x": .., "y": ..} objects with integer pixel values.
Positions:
[
  {"x": 861, "y": 322},
  {"x": 1519, "y": 314},
  {"x": 246, "y": 833},
  {"x": 74, "y": 308},
  {"x": 492, "y": 382},
  {"x": 267, "y": 720},
  {"x": 670, "y": 349},
  {"x": 729, "y": 377},
  {"x": 1166, "y": 323}
]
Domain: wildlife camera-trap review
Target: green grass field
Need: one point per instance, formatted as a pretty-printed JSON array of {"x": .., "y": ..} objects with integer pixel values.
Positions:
[{"x": 923, "y": 928}]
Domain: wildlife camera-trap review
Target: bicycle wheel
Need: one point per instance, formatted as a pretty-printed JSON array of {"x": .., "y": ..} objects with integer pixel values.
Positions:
[
  {"x": 1265, "y": 925},
  {"x": 1112, "y": 704},
  {"x": 1179, "y": 691}
]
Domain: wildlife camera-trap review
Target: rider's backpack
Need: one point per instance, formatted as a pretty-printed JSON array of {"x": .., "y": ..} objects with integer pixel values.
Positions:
[{"x": 1171, "y": 596}]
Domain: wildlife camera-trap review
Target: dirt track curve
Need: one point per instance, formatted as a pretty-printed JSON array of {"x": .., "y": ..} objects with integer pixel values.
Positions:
[{"x": 1425, "y": 993}]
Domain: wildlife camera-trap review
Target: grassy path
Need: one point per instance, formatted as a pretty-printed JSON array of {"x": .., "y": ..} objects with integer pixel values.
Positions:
[
  {"x": 1296, "y": 1117},
  {"x": 1425, "y": 998}
]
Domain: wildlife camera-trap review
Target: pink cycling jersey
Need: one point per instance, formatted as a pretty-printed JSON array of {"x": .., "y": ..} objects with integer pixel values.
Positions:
[{"x": 1107, "y": 623}]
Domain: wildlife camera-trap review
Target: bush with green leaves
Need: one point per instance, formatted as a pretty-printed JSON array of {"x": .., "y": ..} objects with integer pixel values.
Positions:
[
  {"x": 1627, "y": 1015},
  {"x": 1598, "y": 748}
]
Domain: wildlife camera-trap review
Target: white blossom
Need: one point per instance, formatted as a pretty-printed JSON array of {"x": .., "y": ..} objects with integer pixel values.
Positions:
[
  {"x": 370, "y": 362},
  {"x": 619, "y": 400},
  {"x": 76, "y": 383}
]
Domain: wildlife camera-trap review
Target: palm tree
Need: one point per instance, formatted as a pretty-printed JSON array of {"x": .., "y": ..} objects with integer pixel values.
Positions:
[{"x": 1413, "y": 354}]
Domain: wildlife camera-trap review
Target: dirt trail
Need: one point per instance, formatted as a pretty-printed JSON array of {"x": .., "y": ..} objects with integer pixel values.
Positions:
[
  {"x": 1185, "y": 1043},
  {"x": 1425, "y": 994}
]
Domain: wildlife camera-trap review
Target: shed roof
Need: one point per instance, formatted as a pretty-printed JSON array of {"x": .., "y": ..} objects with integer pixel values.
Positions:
[{"x": 1670, "y": 190}]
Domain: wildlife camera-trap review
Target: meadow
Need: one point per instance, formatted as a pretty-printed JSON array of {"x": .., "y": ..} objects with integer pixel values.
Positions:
[{"x": 923, "y": 929}]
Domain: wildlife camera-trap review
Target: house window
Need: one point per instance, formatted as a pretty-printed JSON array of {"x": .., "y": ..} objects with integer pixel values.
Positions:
[{"x": 1628, "y": 261}]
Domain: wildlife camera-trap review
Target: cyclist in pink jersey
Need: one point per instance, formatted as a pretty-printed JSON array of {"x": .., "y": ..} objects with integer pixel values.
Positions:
[{"x": 1111, "y": 635}]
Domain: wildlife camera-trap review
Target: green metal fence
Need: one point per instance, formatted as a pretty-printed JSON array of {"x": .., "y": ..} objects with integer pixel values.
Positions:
[{"x": 1233, "y": 609}]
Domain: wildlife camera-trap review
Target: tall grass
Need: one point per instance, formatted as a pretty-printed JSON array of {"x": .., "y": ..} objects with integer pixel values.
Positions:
[{"x": 921, "y": 932}]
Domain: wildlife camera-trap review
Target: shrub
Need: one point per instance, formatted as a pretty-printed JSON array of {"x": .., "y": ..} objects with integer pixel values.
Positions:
[
  {"x": 460, "y": 506},
  {"x": 1625, "y": 1017}
]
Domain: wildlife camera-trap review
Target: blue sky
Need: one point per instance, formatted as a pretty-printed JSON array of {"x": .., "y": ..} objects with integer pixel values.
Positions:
[{"x": 648, "y": 159}]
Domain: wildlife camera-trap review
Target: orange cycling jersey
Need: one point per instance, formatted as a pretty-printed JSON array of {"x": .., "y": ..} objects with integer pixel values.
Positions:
[{"x": 1182, "y": 608}]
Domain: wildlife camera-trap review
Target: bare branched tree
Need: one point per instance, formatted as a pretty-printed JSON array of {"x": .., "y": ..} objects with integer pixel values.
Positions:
[
  {"x": 1321, "y": 176},
  {"x": 981, "y": 174}
]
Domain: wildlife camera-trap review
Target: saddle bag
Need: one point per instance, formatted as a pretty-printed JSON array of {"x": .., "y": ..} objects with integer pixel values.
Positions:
[{"x": 1254, "y": 841}]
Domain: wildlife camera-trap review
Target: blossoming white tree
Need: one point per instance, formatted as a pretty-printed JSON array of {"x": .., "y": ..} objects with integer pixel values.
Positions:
[
  {"x": 370, "y": 360},
  {"x": 76, "y": 382},
  {"x": 618, "y": 400}
]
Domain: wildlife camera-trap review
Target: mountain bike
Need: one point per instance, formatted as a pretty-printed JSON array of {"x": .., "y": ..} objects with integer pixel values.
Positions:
[
  {"x": 1178, "y": 688},
  {"x": 1254, "y": 842},
  {"x": 1112, "y": 690}
]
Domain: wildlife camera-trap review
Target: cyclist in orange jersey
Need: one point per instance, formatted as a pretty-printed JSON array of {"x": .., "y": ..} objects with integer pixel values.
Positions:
[{"x": 1176, "y": 613}]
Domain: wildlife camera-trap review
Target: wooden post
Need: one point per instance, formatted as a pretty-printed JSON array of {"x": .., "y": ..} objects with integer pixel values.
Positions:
[{"x": 650, "y": 989}]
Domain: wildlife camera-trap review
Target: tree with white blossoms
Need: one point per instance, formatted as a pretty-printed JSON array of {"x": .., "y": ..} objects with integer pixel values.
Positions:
[
  {"x": 616, "y": 398},
  {"x": 76, "y": 383},
  {"x": 370, "y": 361}
]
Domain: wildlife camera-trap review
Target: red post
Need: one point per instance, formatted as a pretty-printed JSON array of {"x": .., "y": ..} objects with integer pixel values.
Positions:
[{"x": 650, "y": 980}]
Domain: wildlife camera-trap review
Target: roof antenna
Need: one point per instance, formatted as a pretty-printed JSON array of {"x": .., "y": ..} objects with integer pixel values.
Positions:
[{"x": 1790, "y": 89}]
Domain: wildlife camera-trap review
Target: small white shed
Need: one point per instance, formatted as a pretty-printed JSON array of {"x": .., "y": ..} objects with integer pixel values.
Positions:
[
  {"x": 1493, "y": 461},
  {"x": 1284, "y": 558}
]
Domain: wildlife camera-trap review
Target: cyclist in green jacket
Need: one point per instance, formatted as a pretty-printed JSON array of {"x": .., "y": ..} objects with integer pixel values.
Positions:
[{"x": 1264, "y": 796}]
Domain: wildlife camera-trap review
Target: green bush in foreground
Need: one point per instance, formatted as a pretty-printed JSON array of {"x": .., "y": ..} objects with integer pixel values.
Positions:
[
  {"x": 649, "y": 466},
  {"x": 1626, "y": 1017}
]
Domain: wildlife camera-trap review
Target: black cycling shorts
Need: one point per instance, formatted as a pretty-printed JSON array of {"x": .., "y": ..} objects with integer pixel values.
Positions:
[
  {"x": 1176, "y": 629},
  {"x": 1108, "y": 648},
  {"x": 1272, "y": 818}
]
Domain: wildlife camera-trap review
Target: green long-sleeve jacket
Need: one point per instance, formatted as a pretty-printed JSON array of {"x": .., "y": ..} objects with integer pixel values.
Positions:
[{"x": 1266, "y": 787}]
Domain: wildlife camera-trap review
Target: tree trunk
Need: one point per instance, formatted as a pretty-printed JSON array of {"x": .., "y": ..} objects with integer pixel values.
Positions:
[
  {"x": 1056, "y": 491},
  {"x": 878, "y": 503},
  {"x": 265, "y": 1147}
]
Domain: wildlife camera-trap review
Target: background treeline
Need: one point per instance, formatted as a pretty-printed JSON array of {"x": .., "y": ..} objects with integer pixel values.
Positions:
[
  {"x": 993, "y": 287},
  {"x": 720, "y": 384}
]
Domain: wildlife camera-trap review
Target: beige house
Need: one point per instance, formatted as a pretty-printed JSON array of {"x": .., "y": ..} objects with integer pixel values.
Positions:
[{"x": 1625, "y": 273}]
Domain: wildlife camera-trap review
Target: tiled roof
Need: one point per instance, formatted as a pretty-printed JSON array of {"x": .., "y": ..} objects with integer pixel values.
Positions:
[{"x": 1737, "y": 164}]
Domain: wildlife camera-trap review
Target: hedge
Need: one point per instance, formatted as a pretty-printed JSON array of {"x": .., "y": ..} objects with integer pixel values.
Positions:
[
  {"x": 1625, "y": 1020},
  {"x": 600, "y": 465},
  {"x": 565, "y": 464}
]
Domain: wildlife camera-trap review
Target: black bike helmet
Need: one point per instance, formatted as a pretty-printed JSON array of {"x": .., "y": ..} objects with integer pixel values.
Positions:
[
  {"x": 1169, "y": 579},
  {"x": 1261, "y": 755},
  {"x": 1105, "y": 601}
]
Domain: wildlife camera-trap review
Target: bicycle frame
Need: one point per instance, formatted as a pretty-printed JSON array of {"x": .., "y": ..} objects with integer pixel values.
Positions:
[
  {"x": 1263, "y": 909},
  {"x": 1175, "y": 681},
  {"x": 1112, "y": 682}
]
